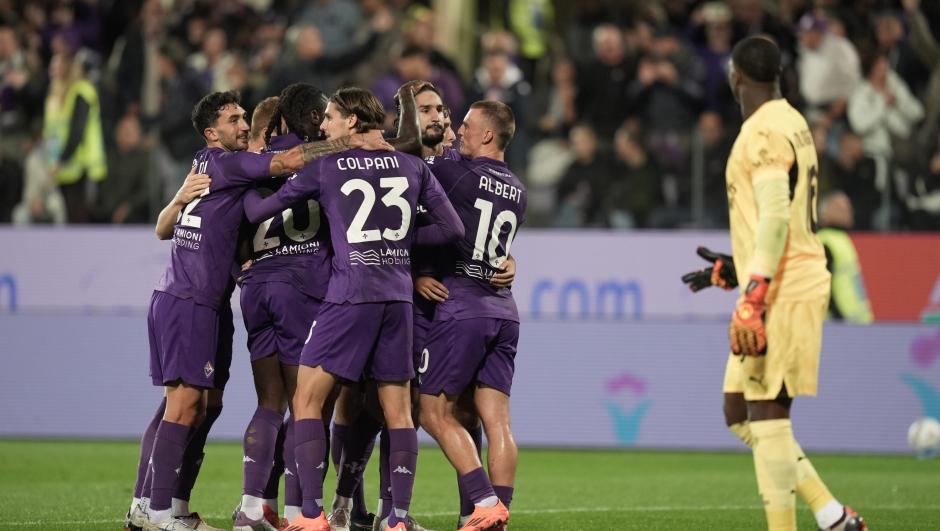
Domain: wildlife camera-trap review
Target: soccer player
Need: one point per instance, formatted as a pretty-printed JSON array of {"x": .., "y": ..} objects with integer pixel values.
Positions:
[
  {"x": 193, "y": 186},
  {"x": 185, "y": 308},
  {"x": 776, "y": 328},
  {"x": 280, "y": 296},
  {"x": 472, "y": 341},
  {"x": 365, "y": 322}
]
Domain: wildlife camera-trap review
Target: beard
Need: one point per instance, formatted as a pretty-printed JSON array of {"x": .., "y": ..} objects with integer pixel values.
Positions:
[{"x": 432, "y": 136}]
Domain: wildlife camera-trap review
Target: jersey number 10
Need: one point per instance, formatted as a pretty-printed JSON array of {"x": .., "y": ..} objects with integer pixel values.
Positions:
[{"x": 480, "y": 250}]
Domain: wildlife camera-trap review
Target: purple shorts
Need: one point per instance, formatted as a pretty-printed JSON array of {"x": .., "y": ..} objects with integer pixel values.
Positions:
[
  {"x": 421, "y": 327},
  {"x": 277, "y": 316},
  {"x": 461, "y": 352},
  {"x": 223, "y": 353},
  {"x": 184, "y": 337},
  {"x": 351, "y": 341}
]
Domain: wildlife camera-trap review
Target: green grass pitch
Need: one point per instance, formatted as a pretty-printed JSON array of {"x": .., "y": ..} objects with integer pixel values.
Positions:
[{"x": 86, "y": 485}]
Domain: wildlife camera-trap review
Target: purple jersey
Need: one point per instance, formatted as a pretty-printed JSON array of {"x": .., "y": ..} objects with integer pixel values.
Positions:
[
  {"x": 491, "y": 203},
  {"x": 293, "y": 246},
  {"x": 369, "y": 198},
  {"x": 206, "y": 232}
]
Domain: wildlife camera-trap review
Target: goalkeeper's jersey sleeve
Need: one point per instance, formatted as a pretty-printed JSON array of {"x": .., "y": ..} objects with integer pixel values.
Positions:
[{"x": 777, "y": 137}]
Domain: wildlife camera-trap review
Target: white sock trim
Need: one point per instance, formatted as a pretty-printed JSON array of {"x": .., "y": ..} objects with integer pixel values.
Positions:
[
  {"x": 252, "y": 507},
  {"x": 490, "y": 501},
  {"x": 291, "y": 512},
  {"x": 159, "y": 516},
  {"x": 179, "y": 507},
  {"x": 829, "y": 514},
  {"x": 271, "y": 503}
]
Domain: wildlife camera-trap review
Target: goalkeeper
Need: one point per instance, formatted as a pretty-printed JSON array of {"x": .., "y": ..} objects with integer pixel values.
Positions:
[{"x": 779, "y": 267}]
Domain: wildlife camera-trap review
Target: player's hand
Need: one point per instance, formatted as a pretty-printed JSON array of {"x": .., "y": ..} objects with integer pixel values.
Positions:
[
  {"x": 507, "y": 274},
  {"x": 721, "y": 273},
  {"x": 371, "y": 141},
  {"x": 195, "y": 185},
  {"x": 431, "y": 289},
  {"x": 746, "y": 332},
  {"x": 910, "y": 5},
  {"x": 246, "y": 265}
]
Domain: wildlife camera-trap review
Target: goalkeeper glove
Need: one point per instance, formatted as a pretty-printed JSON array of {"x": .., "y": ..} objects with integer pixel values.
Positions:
[
  {"x": 746, "y": 332},
  {"x": 721, "y": 274}
]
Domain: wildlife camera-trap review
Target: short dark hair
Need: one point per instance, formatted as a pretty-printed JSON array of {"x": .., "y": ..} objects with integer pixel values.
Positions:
[
  {"x": 206, "y": 112},
  {"x": 501, "y": 120},
  {"x": 363, "y": 104},
  {"x": 758, "y": 58},
  {"x": 296, "y": 103}
]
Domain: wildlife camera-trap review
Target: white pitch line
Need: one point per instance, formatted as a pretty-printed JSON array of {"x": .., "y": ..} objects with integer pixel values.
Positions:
[{"x": 575, "y": 510}]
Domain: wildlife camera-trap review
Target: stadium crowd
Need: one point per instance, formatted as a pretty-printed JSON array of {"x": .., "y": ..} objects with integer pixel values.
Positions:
[{"x": 624, "y": 114}]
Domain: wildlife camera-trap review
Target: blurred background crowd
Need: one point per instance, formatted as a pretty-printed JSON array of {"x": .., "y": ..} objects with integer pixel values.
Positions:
[{"x": 624, "y": 116}]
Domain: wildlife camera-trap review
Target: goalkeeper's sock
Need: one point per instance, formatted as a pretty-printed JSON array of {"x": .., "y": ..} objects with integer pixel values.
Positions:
[
  {"x": 811, "y": 488},
  {"x": 775, "y": 465},
  {"x": 742, "y": 430}
]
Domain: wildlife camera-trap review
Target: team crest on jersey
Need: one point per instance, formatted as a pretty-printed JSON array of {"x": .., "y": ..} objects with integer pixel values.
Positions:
[{"x": 208, "y": 369}]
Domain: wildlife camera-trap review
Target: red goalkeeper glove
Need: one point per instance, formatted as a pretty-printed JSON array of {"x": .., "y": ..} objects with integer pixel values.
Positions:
[
  {"x": 746, "y": 332},
  {"x": 721, "y": 273}
]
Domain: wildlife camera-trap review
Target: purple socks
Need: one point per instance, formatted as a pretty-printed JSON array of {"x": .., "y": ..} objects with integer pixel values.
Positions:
[
  {"x": 168, "y": 447},
  {"x": 146, "y": 450},
  {"x": 192, "y": 458},
  {"x": 259, "y": 446},
  {"x": 310, "y": 454},
  {"x": 402, "y": 461}
]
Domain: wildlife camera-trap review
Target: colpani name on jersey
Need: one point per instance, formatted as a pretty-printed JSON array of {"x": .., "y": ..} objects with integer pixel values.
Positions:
[
  {"x": 367, "y": 163},
  {"x": 186, "y": 238},
  {"x": 500, "y": 189}
]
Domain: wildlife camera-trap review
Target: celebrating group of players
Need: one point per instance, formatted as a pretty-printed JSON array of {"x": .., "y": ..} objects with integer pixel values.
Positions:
[
  {"x": 381, "y": 308},
  {"x": 345, "y": 299}
]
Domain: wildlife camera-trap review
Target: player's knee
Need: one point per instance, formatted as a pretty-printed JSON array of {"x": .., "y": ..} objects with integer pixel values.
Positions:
[{"x": 273, "y": 398}]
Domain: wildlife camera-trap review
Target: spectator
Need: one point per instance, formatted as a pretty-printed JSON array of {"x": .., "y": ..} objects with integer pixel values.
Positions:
[
  {"x": 716, "y": 145},
  {"x": 851, "y": 170},
  {"x": 419, "y": 30},
  {"x": 531, "y": 21},
  {"x": 558, "y": 110},
  {"x": 42, "y": 201},
  {"x": 714, "y": 55},
  {"x": 180, "y": 88},
  {"x": 882, "y": 109},
  {"x": 847, "y": 300},
  {"x": 309, "y": 61},
  {"x": 891, "y": 41},
  {"x": 125, "y": 199},
  {"x": 603, "y": 97},
  {"x": 72, "y": 133},
  {"x": 499, "y": 79},
  {"x": 336, "y": 21},
  {"x": 414, "y": 63},
  {"x": 213, "y": 61},
  {"x": 582, "y": 188},
  {"x": 21, "y": 86},
  {"x": 632, "y": 194},
  {"x": 928, "y": 50},
  {"x": 829, "y": 70},
  {"x": 923, "y": 201}
]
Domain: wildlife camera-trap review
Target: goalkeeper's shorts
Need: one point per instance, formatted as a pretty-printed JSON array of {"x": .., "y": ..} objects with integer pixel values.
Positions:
[{"x": 794, "y": 341}]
